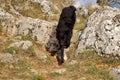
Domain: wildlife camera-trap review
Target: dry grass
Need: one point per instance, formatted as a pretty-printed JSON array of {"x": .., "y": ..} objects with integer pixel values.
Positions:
[
  {"x": 80, "y": 25},
  {"x": 91, "y": 10},
  {"x": 90, "y": 65}
]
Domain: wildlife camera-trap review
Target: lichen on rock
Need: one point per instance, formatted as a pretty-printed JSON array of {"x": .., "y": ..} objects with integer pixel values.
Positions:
[{"x": 102, "y": 32}]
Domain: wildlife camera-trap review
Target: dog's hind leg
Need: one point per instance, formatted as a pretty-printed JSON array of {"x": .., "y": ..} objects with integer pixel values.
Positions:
[{"x": 60, "y": 56}]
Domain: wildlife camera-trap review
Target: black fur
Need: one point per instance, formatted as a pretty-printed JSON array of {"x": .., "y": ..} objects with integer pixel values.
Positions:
[{"x": 64, "y": 30}]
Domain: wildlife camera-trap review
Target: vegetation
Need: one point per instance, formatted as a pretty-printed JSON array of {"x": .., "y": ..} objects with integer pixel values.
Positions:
[
  {"x": 92, "y": 67},
  {"x": 38, "y": 77},
  {"x": 102, "y": 2},
  {"x": 89, "y": 66},
  {"x": 80, "y": 25}
]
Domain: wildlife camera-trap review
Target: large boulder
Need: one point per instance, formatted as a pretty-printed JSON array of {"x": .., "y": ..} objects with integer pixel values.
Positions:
[
  {"x": 102, "y": 32},
  {"x": 38, "y": 30}
]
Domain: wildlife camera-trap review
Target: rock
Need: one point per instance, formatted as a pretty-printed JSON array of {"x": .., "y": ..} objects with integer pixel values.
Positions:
[
  {"x": 115, "y": 73},
  {"x": 46, "y": 6},
  {"x": 39, "y": 72},
  {"x": 39, "y": 30},
  {"x": 8, "y": 58},
  {"x": 102, "y": 32},
  {"x": 73, "y": 62},
  {"x": 82, "y": 78},
  {"x": 35, "y": 71},
  {"x": 24, "y": 44},
  {"x": 59, "y": 71},
  {"x": 83, "y": 11}
]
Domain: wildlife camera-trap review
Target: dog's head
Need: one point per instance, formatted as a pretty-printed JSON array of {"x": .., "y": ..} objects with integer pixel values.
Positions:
[{"x": 73, "y": 8}]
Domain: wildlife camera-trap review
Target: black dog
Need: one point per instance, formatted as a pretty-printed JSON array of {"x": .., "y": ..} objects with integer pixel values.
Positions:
[{"x": 64, "y": 31}]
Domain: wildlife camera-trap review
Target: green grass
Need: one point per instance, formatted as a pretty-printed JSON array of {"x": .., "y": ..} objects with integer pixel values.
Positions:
[
  {"x": 2, "y": 65},
  {"x": 92, "y": 66},
  {"x": 38, "y": 77},
  {"x": 9, "y": 50},
  {"x": 80, "y": 25},
  {"x": 97, "y": 66},
  {"x": 4, "y": 47},
  {"x": 33, "y": 10},
  {"x": 55, "y": 74},
  {"x": 95, "y": 73},
  {"x": 111, "y": 61}
]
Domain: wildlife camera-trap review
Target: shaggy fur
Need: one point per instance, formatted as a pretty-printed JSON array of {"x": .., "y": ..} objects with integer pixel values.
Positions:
[{"x": 64, "y": 30}]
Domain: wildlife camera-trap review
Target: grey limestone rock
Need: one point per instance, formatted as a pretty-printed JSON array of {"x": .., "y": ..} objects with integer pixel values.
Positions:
[
  {"x": 102, "y": 32},
  {"x": 39, "y": 30},
  {"x": 24, "y": 44},
  {"x": 115, "y": 73},
  {"x": 46, "y": 6}
]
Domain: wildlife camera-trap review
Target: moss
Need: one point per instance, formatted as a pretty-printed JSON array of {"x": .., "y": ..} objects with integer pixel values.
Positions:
[
  {"x": 80, "y": 25},
  {"x": 38, "y": 77},
  {"x": 4, "y": 47},
  {"x": 10, "y": 50},
  {"x": 91, "y": 10},
  {"x": 2, "y": 65},
  {"x": 26, "y": 37}
]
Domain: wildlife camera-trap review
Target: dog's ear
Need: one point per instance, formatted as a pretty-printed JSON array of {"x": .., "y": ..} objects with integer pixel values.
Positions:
[{"x": 73, "y": 8}]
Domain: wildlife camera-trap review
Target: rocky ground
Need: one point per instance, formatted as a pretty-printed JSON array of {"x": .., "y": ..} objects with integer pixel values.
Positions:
[{"x": 27, "y": 26}]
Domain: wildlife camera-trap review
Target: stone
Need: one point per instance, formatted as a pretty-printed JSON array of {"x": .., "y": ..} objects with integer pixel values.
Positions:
[
  {"x": 34, "y": 71},
  {"x": 83, "y": 11},
  {"x": 115, "y": 73},
  {"x": 101, "y": 32},
  {"x": 73, "y": 62},
  {"x": 82, "y": 78},
  {"x": 38, "y": 30},
  {"x": 8, "y": 58},
  {"x": 46, "y": 6},
  {"x": 20, "y": 43},
  {"x": 59, "y": 71}
]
